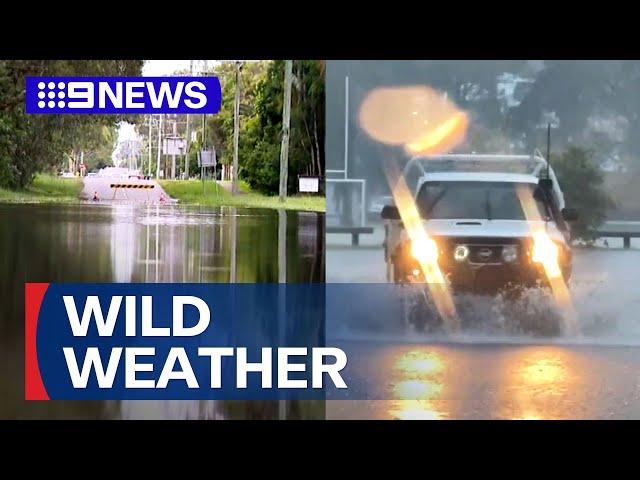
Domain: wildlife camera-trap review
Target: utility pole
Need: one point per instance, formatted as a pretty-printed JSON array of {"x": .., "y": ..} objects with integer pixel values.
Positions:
[
  {"x": 346, "y": 127},
  {"x": 286, "y": 117},
  {"x": 204, "y": 126},
  {"x": 173, "y": 155},
  {"x": 149, "y": 143},
  {"x": 188, "y": 140},
  {"x": 236, "y": 130},
  {"x": 159, "y": 147}
]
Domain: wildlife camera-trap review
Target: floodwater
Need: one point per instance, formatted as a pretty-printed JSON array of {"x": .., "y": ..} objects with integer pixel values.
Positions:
[
  {"x": 485, "y": 373},
  {"x": 143, "y": 243}
]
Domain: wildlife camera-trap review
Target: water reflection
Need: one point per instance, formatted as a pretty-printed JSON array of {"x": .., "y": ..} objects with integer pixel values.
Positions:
[
  {"x": 542, "y": 383},
  {"x": 418, "y": 382},
  {"x": 168, "y": 410},
  {"x": 495, "y": 381},
  {"x": 129, "y": 243},
  {"x": 123, "y": 249}
]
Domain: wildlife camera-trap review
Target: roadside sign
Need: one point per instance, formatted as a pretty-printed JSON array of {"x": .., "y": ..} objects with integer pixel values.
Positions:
[
  {"x": 173, "y": 145},
  {"x": 207, "y": 158},
  {"x": 308, "y": 184}
]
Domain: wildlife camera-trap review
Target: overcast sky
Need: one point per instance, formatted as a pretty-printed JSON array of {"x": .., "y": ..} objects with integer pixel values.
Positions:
[{"x": 159, "y": 68}]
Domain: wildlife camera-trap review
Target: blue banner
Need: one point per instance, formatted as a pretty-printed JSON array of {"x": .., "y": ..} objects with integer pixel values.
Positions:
[
  {"x": 232, "y": 342},
  {"x": 122, "y": 95},
  {"x": 176, "y": 341}
]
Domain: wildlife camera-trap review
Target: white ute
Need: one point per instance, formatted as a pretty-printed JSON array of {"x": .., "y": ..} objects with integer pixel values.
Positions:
[{"x": 472, "y": 210}]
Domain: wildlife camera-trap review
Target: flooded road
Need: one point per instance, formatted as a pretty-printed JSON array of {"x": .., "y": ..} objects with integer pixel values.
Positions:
[
  {"x": 487, "y": 374},
  {"x": 498, "y": 381},
  {"x": 129, "y": 243}
]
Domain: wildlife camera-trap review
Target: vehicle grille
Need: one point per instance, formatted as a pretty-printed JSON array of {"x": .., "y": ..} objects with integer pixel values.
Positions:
[
  {"x": 482, "y": 250},
  {"x": 485, "y": 253}
]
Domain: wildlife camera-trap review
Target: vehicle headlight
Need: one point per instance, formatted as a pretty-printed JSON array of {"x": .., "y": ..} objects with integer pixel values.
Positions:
[
  {"x": 509, "y": 253},
  {"x": 544, "y": 250},
  {"x": 425, "y": 252},
  {"x": 460, "y": 253}
]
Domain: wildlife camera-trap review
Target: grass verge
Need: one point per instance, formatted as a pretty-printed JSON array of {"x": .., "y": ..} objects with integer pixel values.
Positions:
[
  {"x": 45, "y": 189},
  {"x": 190, "y": 192}
]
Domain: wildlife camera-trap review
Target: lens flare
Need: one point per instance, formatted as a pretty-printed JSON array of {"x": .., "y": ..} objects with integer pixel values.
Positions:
[
  {"x": 424, "y": 248},
  {"x": 418, "y": 118},
  {"x": 443, "y": 137},
  {"x": 546, "y": 253}
]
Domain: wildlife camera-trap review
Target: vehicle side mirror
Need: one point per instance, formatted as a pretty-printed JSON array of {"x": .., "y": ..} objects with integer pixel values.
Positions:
[
  {"x": 390, "y": 212},
  {"x": 546, "y": 184},
  {"x": 570, "y": 214}
]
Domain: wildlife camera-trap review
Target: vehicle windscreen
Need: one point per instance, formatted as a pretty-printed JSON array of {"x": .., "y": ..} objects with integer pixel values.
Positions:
[{"x": 475, "y": 200}]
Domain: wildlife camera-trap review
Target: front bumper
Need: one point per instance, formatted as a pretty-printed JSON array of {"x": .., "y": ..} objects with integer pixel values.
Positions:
[{"x": 489, "y": 275}]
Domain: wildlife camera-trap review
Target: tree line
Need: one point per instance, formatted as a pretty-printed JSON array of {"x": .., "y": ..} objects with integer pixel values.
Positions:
[
  {"x": 48, "y": 143},
  {"x": 36, "y": 143},
  {"x": 260, "y": 123}
]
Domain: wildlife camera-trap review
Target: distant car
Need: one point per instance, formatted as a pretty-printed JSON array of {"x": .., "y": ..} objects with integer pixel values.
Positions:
[{"x": 67, "y": 175}]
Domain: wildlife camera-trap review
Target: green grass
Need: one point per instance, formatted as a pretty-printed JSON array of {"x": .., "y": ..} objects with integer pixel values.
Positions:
[
  {"x": 45, "y": 189},
  {"x": 190, "y": 192}
]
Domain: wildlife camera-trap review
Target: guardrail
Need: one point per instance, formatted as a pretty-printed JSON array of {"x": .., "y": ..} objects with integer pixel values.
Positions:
[
  {"x": 619, "y": 229},
  {"x": 354, "y": 231}
]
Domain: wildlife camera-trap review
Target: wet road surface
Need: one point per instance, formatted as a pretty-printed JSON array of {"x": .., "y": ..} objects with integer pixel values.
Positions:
[
  {"x": 145, "y": 191},
  {"x": 492, "y": 375}
]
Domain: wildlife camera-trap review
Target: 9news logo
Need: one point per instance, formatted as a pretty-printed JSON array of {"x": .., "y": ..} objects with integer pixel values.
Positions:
[{"x": 122, "y": 95}]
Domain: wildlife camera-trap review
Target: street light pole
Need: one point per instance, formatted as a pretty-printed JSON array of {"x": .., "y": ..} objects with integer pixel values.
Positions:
[
  {"x": 236, "y": 130},
  {"x": 286, "y": 117}
]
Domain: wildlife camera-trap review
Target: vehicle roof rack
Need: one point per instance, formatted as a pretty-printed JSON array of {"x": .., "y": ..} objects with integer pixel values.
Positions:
[
  {"x": 534, "y": 164},
  {"x": 432, "y": 163}
]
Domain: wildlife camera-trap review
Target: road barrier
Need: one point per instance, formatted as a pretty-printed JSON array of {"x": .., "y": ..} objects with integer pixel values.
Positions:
[
  {"x": 126, "y": 186},
  {"x": 131, "y": 185}
]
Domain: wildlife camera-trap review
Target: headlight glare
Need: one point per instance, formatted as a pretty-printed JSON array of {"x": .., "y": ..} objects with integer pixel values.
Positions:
[
  {"x": 425, "y": 252},
  {"x": 544, "y": 250}
]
